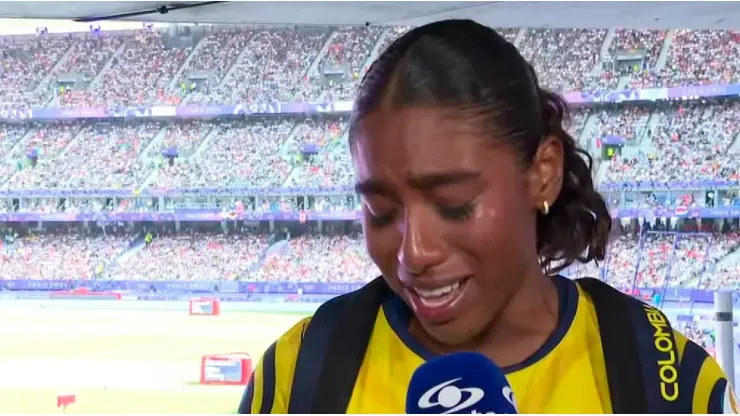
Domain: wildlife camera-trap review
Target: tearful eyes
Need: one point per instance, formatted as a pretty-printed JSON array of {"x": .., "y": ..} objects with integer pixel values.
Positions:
[{"x": 458, "y": 213}]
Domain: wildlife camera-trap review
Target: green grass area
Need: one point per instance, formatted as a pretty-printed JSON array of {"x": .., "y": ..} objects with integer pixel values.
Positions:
[
  {"x": 124, "y": 361},
  {"x": 119, "y": 401}
]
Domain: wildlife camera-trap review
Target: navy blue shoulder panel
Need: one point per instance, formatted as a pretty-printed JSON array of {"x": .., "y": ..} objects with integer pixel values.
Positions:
[
  {"x": 245, "y": 405},
  {"x": 269, "y": 380},
  {"x": 311, "y": 353},
  {"x": 640, "y": 351}
]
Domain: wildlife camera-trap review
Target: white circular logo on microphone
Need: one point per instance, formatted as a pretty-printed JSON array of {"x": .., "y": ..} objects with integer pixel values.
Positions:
[{"x": 450, "y": 397}]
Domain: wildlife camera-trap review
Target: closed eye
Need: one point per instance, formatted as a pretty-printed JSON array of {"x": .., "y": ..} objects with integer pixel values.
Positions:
[
  {"x": 380, "y": 221},
  {"x": 459, "y": 213}
]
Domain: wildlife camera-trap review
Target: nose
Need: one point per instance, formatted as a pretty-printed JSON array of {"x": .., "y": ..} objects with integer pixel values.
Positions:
[{"x": 422, "y": 245}]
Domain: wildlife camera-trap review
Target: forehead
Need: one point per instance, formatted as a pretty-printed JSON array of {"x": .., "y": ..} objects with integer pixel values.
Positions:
[{"x": 413, "y": 141}]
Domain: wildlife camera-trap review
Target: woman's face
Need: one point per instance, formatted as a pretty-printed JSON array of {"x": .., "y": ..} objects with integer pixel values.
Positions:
[{"x": 448, "y": 217}]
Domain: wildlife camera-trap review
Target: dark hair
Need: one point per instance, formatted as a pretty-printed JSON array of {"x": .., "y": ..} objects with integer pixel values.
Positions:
[{"x": 472, "y": 70}]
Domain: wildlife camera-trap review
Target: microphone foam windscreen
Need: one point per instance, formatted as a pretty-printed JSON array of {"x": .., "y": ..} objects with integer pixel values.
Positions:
[{"x": 461, "y": 383}]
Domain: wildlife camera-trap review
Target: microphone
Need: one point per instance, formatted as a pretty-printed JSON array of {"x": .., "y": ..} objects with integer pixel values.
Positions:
[{"x": 461, "y": 383}]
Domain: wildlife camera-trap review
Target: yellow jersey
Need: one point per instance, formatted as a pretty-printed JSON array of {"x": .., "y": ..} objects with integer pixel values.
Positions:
[{"x": 566, "y": 375}]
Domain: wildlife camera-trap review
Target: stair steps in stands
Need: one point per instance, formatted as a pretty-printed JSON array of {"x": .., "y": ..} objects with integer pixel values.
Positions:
[
  {"x": 604, "y": 52},
  {"x": 664, "y": 50},
  {"x": 172, "y": 85},
  {"x": 97, "y": 82},
  {"x": 520, "y": 36},
  {"x": 313, "y": 69},
  {"x": 45, "y": 82}
]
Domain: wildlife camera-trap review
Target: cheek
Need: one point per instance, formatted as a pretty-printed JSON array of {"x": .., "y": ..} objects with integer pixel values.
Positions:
[
  {"x": 495, "y": 234},
  {"x": 382, "y": 247}
]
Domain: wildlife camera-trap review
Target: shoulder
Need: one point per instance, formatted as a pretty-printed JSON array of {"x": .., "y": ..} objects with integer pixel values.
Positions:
[
  {"x": 703, "y": 380},
  {"x": 292, "y": 338},
  {"x": 286, "y": 351},
  {"x": 268, "y": 390},
  {"x": 700, "y": 381}
]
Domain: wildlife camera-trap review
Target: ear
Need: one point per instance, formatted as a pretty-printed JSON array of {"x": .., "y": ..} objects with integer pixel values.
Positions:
[{"x": 546, "y": 173}]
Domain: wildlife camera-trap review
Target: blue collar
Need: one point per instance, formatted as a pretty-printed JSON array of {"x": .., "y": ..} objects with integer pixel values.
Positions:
[{"x": 399, "y": 317}]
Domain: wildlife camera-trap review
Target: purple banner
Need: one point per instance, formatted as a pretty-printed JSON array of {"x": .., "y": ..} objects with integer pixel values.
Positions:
[
  {"x": 258, "y": 108},
  {"x": 205, "y": 215},
  {"x": 182, "y": 216},
  {"x": 612, "y": 140},
  {"x": 680, "y": 212},
  {"x": 53, "y": 113},
  {"x": 183, "y": 297},
  {"x": 153, "y": 192},
  {"x": 158, "y": 289},
  {"x": 677, "y": 185},
  {"x": 68, "y": 113},
  {"x": 213, "y": 286},
  {"x": 310, "y": 148},
  {"x": 652, "y": 94},
  {"x": 673, "y": 294},
  {"x": 188, "y": 111},
  {"x": 703, "y": 91},
  {"x": 15, "y": 114}
]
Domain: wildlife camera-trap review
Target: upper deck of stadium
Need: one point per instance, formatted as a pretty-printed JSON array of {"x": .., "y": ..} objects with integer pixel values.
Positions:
[
  {"x": 664, "y": 141},
  {"x": 217, "y": 65},
  {"x": 567, "y": 14}
]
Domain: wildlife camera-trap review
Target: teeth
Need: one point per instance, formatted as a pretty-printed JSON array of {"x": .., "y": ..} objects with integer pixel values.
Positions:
[{"x": 435, "y": 293}]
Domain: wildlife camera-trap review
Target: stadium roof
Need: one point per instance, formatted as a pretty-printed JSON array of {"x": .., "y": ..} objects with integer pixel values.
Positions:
[{"x": 602, "y": 14}]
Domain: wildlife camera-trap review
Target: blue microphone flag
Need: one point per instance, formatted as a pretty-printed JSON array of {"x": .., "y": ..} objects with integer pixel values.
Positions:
[{"x": 461, "y": 383}]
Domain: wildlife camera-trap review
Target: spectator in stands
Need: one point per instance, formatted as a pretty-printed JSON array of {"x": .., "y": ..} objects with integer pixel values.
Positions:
[{"x": 685, "y": 140}]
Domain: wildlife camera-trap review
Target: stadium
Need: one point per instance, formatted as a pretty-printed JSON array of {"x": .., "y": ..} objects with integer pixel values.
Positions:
[{"x": 187, "y": 185}]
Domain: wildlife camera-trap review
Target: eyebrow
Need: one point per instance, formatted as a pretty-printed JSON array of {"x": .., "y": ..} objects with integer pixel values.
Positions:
[{"x": 422, "y": 182}]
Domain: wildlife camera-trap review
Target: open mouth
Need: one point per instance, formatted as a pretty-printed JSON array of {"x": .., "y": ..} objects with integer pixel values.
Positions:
[{"x": 438, "y": 303}]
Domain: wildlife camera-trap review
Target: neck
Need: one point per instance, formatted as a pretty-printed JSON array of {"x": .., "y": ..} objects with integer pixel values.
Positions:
[
  {"x": 520, "y": 328},
  {"x": 524, "y": 325}
]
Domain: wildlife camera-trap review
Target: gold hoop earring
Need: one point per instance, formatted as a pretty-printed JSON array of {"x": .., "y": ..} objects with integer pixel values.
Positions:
[{"x": 545, "y": 208}]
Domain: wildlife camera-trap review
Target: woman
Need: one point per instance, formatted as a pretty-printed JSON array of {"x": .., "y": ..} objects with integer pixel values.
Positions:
[{"x": 474, "y": 197}]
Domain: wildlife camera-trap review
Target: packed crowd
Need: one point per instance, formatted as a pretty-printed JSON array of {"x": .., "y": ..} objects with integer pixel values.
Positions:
[
  {"x": 696, "y": 57},
  {"x": 273, "y": 67},
  {"x": 348, "y": 51},
  {"x": 686, "y": 261},
  {"x": 674, "y": 141},
  {"x": 564, "y": 60},
  {"x": 665, "y": 142},
  {"x": 75, "y": 156},
  {"x": 24, "y": 63},
  {"x": 645, "y": 43},
  {"x": 320, "y": 259},
  {"x": 250, "y": 64},
  {"x": 58, "y": 256},
  {"x": 727, "y": 277},
  {"x": 182, "y": 139},
  {"x": 87, "y": 56},
  {"x": 692, "y": 261},
  {"x": 679, "y": 141},
  {"x": 199, "y": 257},
  {"x": 627, "y": 122},
  {"x": 218, "y": 54},
  {"x": 239, "y": 154},
  {"x": 140, "y": 75},
  {"x": 688, "y": 141}
]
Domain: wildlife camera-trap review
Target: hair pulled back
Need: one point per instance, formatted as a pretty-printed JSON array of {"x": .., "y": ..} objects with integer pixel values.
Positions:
[{"x": 471, "y": 70}]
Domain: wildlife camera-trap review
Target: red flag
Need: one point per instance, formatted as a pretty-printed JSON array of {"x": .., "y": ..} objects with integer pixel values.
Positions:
[{"x": 64, "y": 400}]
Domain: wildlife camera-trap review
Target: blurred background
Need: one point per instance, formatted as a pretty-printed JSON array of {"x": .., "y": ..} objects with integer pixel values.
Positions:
[{"x": 159, "y": 167}]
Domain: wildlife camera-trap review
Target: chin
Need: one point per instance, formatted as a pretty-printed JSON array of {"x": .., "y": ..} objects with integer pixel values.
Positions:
[{"x": 451, "y": 335}]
